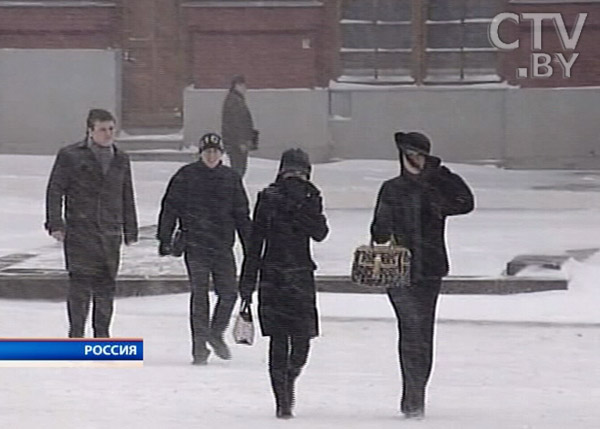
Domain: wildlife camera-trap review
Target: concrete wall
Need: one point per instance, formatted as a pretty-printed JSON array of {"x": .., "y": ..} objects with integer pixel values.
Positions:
[
  {"x": 45, "y": 95},
  {"x": 553, "y": 128},
  {"x": 285, "y": 119},
  {"x": 520, "y": 128},
  {"x": 463, "y": 123}
]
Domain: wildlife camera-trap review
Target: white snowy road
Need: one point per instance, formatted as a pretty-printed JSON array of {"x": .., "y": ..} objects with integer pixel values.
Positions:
[{"x": 492, "y": 376}]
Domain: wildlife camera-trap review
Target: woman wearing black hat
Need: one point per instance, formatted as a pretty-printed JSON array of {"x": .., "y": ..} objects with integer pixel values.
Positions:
[
  {"x": 287, "y": 215},
  {"x": 412, "y": 208}
]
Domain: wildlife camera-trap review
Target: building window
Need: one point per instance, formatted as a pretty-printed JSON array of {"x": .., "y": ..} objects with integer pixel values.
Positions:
[
  {"x": 376, "y": 40},
  {"x": 457, "y": 44},
  {"x": 422, "y": 41}
]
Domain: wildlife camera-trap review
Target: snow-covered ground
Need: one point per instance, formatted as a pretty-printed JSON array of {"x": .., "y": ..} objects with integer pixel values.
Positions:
[
  {"x": 543, "y": 212},
  {"x": 540, "y": 372},
  {"x": 517, "y": 212},
  {"x": 492, "y": 376}
]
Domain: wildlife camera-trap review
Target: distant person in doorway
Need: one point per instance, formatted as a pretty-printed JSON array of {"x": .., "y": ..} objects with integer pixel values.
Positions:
[
  {"x": 90, "y": 207},
  {"x": 237, "y": 127},
  {"x": 412, "y": 208}
]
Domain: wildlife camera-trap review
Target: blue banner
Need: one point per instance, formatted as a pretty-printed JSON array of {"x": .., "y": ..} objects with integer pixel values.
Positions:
[{"x": 15, "y": 349}]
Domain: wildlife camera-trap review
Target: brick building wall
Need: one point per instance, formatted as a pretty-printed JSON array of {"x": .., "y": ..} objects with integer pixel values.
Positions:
[
  {"x": 59, "y": 27},
  {"x": 170, "y": 44},
  {"x": 275, "y": 47}
]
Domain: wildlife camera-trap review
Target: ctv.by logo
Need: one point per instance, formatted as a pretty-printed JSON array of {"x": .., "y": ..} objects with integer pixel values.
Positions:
[{"x": 540, "y": 65}]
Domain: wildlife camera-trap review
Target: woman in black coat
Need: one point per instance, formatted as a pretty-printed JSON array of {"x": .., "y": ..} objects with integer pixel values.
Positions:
[{"x": 287, "y": 215}]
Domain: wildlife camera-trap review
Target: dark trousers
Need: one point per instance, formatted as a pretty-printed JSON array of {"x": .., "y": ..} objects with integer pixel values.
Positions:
[
  {"x": 101, "y": 290},
  {"x": 238, "y": 159},
  {"x": 415, "y": 310},
  {"x": 200, "y": 264},
  {"x": 287, "y": 357}
]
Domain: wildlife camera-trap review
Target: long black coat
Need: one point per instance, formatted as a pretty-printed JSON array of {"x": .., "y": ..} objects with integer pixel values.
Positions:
[
  {"x": 414, "y": 210},
  {"x": 210, "y": 205},
  {"x": 236, "y": 121},
  {"x": 99, "y": 210},
  {"x": 287, "y": 215}
]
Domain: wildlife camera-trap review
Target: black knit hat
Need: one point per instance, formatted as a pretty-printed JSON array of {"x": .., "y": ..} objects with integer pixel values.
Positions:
[
  {"x": 295, "y": 160},
  {"x": 413, "y": 141},
  {"x": 210, "y": 140}
]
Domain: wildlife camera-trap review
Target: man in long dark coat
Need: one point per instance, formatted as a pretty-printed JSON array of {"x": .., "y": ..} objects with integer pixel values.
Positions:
[
  {"x": 208, "y": 201},
  {"x": 287, "y": 216},
  {"x": 90, "y": 206},
  {"x": 413, "y": 208},
  {"x": 237, "y": 127}
]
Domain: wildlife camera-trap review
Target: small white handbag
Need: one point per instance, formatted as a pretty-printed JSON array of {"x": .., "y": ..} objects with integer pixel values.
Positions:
[{"x": 243, "y": 329}]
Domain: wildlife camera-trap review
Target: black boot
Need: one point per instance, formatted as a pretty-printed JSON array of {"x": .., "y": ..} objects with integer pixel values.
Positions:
[
  {"x": 417, "y": 414},
  {"x": 76, "y": 332},
  {"x": 219, "y": 346},
  {"x": 279, "y": 383},
  {"x": 285, "y": 414},
  {"x": 292, "y": 375},
  {"x": 413, "y": 403},
  {"x": 201, "y": 358},
  {"x": 284, "y": 411}
]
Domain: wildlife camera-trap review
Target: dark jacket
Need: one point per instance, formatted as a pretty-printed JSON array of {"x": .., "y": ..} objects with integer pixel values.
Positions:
[
  {"x": 99, "y": 210},
  {"x": 236, "y": 120},
  {"x": 210, "y": 204},
  {"x": 414, "y": 210},
  {"x": 287, "y": 215}
]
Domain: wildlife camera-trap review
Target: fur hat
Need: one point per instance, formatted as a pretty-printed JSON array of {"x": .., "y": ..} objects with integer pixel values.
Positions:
[
  {"x": 295, "y": 160},
  {"x": 415, "y": 141}
]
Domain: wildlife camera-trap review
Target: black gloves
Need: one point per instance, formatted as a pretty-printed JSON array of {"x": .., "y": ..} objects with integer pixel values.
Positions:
[
  {"x": 130, "y": 239},
  {"x": 313, "y": 204},
  {"x": 302, "y": 196},
  {"x": 434, "y": 175},
  {"x": 297, "y": 201},
  {"x": 164, "y": 248},
  {"x": 432, "y": 169}
]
